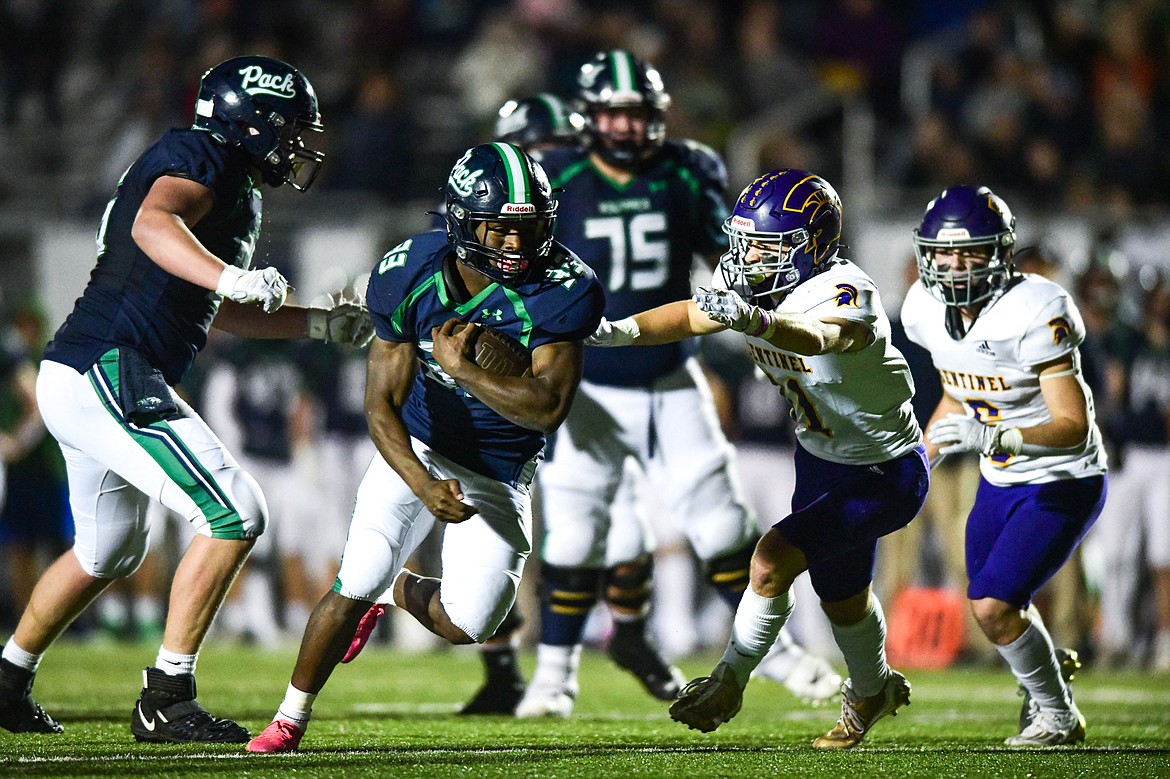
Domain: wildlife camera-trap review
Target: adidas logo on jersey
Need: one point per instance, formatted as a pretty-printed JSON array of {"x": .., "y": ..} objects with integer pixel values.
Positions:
[{"x": 983, "y": 348}]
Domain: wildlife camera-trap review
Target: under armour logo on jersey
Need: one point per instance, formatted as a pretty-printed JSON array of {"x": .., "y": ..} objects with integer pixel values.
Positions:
[
  {"x": 1061, "y": 329},
  {"x": 847, "y": 295},
  {"x": 256, "y": 81},
  {"x": 984, "y": 348},
  {"x": 489, "y": 314}
]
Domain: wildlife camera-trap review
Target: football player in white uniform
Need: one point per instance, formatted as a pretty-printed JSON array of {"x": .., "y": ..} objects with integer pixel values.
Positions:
[
  {"x": 816, "y": 329},
  {"x": 1005, "y": 344}
]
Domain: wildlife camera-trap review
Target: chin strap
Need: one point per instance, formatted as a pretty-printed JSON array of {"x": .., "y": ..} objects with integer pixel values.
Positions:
[{"x": 956, "y": 327}]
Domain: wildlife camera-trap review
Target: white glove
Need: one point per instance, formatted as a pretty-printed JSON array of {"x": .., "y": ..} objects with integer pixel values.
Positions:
[
  {"x": 726, "y": 307},
  {"x": 266, "y": 287},
  {"x": 623, "y": 332},
  {"x": 957, "y": 433},
  {"x": 346, "y": 323}
]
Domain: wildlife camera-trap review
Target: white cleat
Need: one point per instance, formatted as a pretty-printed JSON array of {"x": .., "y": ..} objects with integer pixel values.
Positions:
[
  {"x": 1050, "y": 728},
  {"x": 546, "y": 701},
  {"x": 807, "y": 676}
]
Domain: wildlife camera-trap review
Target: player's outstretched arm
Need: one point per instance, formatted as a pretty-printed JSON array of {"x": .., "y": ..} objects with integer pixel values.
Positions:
[
  {"x": 663, "y": 325},
  {"x": 538, "y": 402},
  {"x": 390, "y": 371}
]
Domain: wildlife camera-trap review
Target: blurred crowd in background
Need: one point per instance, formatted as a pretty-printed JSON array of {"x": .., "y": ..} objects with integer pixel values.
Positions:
[{"x": 1062, "y": 107}]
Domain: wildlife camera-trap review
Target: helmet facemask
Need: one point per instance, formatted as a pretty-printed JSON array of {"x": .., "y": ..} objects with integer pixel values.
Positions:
[
  {"x": 475, "y": 232},
  {"x": 980, "y": 281},
  {"x": 771, "y": 272}
]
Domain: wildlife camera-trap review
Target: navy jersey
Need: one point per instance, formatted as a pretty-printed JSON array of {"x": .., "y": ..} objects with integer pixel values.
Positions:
[
  {"x": 131, "y": 301},
  {"x": 408, "y": 297},
  {"x": 640, "y": 239}
]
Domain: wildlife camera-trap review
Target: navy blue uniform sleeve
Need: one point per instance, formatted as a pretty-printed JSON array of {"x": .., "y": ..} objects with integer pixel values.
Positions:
[
  {"x": 710, "y": 174},
  {"x": 388, "y": 287},
  {"x": 575, "y": 302}
]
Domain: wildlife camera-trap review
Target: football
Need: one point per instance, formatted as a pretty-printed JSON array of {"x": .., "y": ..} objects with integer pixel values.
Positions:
[{"x": 499, "y": 353}]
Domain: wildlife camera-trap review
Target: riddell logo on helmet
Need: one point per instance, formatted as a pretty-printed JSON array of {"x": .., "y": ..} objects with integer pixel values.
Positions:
[
  {"x": 743, "y": 223},
  {"x": 518, "y": 208},
  {"x": 256, "y": 81},
  {"x": 954, "y": 232}
]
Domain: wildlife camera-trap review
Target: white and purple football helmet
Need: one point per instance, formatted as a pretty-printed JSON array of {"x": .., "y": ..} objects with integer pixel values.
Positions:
[{"x": 792, "y": 218}]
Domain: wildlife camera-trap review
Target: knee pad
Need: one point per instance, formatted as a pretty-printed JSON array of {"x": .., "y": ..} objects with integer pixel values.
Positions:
[
  {"x": 116, "y": 563},
  {"x": 731, "y": 573},
  {"x": 246, "y": 515},
  {"x": 569, "y": 591},
  {"x": 628, "y": 585}
]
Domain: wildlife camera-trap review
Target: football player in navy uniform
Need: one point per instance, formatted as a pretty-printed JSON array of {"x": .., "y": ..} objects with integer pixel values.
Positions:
[
  {"x": 456, "y": 442},
  {"x": 637, "y": 208},
  {"x": 815, "y": 327},
  {"x": 174, "y": 253},
  {"x": 1006, "y": 345}
]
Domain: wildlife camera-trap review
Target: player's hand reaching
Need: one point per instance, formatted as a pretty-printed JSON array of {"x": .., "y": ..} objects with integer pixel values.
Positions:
[
  {"x": 341, "y": 321},
  {"x": 265, "y": 286},
  {"x": 726, "y": 307},
  {"x": 444, "y": 499},
  {"x": 956, "y": 433},
  {"x": 623, "y": 332}
]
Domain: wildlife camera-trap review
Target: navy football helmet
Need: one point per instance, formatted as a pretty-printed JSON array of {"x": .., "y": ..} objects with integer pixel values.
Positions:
[
  {"x": 539, "y": 121},
  {"x": 972, "y": 218},
  {"x": 498, "y": 182},
  {"x": 618, "y": 79},
  {"x": 792, "y": 219},
  {"x": 262, "y": 106}
]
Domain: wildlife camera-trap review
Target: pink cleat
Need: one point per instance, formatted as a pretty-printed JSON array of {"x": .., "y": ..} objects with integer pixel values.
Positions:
[
  {"x": 364, "y": 629},
  {"x": 280, "y": 736}
]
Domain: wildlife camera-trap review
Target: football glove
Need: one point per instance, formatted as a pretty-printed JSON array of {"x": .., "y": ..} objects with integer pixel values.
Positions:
[
  {"x": 623, "y": 332},
  {"x": 726, "y": 307},
  {"x": 266, "y": 286},
  {"x": 957, "y": 433},
  {"x": 346, "y": 322}
]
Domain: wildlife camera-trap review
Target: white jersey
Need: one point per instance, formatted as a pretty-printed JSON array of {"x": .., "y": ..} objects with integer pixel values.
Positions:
[
  {"x": 994, "y": 371},
  {"x": 849, "y": 408}
]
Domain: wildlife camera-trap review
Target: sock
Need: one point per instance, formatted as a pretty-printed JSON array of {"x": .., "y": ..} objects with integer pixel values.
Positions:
[
  {"x": 556, "y": 665},
  {"x": 782, "y": 657},
  {"x": 20, "y": 658},
  {"x": 757, "y": 623},
  {"x": 1033, "y": 661},
  {"x": 864, "y": 647},
  {"x": 173, "y": 663},
  {"x": 297, "y": 707},
  {"x": 499, "y": 662}
]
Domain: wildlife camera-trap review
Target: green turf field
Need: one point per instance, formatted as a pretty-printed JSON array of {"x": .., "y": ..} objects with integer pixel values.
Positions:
[{"x": 392, "y": 715}]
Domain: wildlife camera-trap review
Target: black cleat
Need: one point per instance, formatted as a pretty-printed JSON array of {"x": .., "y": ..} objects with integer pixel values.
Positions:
[
  {"x": 167, "y": 712},
  {"x": 495, "y": 698},
  {"x": 1069, "y": 662},
  {"x": 633, "y": 653},
  {"x": 19, "y": 713}
]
